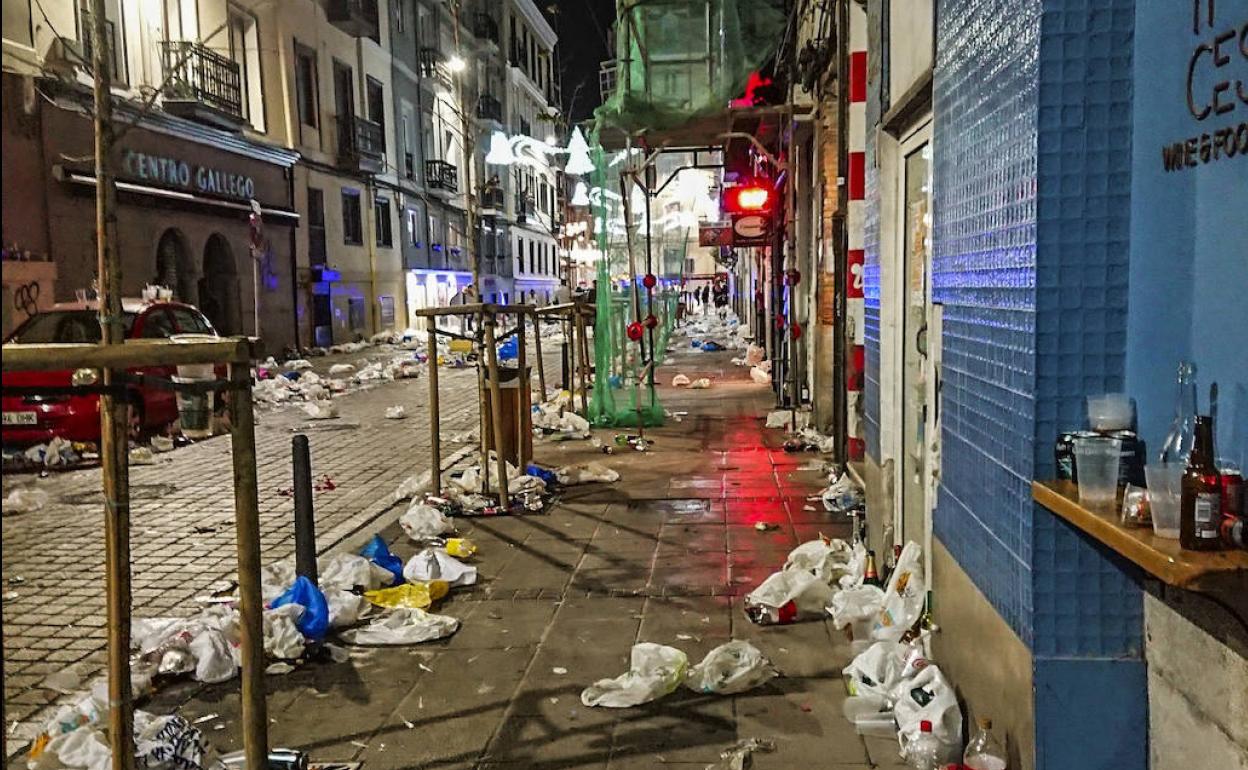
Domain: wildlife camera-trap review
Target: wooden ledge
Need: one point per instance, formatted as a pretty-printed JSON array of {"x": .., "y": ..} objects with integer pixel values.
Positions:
[{"x": 1160, "y": 557}]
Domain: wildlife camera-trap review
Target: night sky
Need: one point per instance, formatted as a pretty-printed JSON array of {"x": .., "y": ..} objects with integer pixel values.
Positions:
[{"x": 583, "y": 27}]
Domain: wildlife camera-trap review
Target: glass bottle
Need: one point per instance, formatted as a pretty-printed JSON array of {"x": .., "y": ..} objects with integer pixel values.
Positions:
[
  {"x": 1178, "y": 445},
  {"x": 871, "y": 576},
  {"x": 984, "y": 752},
  {"x": 1200, "y": 508},
  {"x": 923, "y": 753}
]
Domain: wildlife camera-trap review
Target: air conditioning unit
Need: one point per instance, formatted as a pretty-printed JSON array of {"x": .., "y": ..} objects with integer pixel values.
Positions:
[{"x": 64, "y": 57}]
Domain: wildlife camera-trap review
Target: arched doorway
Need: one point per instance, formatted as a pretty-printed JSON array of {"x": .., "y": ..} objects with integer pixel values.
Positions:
[
  {"x": 174, "y": 267},
  {"x": 218, "y": 288}
]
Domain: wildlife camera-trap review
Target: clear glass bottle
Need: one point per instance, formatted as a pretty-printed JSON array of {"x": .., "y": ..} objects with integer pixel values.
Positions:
[
  {"x": 923, "y": 753},
  {"x": 984, "y": 752},
  {"x": 1178, "y": 445}
]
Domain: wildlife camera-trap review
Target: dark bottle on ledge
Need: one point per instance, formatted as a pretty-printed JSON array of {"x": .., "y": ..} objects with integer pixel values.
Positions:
[{"x": 1200, "y": 513}]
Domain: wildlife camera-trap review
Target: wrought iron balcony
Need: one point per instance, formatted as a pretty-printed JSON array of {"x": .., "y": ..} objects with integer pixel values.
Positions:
[
  {"x": 355, "y": 17},
  {"x": 428, "y": 59},
  {"x": 489, "y": 108},
  {"x": 485, "y": 28},
  {"x": 440, "y": 175},
  {"x": 492, "y": 198},
  {"x": 524, "y": 208},
  {"x": 201, "y": 84},
  {"x": 361, "y": 144}
]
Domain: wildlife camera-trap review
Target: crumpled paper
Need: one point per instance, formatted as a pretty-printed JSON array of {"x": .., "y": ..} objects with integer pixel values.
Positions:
[{"x": 403, "y": 626}]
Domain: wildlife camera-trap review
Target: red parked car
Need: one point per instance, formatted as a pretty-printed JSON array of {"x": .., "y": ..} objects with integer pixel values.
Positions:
[{"x": 35, "y": 419}]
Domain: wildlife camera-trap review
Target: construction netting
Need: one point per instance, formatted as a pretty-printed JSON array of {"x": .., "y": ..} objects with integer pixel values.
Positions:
[{"x": 676, "y": 60}]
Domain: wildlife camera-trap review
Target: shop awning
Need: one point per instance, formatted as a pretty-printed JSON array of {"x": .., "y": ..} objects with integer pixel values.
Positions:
[{"x": 287, "y": 216}]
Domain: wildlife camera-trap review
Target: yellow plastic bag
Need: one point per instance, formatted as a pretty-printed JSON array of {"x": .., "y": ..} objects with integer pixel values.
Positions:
[
  {"x": 461, "y": 547},
  {"x": 417, "y": 596}
]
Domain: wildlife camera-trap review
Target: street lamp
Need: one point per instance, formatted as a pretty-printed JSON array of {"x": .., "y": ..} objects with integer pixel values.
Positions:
[{"x": 456, "y": 64}]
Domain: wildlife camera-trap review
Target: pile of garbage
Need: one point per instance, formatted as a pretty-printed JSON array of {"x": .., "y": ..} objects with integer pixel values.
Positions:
[
  {"x": 56, "y": 455},
  {"x": 713, "y": 333},
  {"x": 555, "y": 420},
  {"x": 293, "y": 381},
  {"x": 657, "y": 670}
]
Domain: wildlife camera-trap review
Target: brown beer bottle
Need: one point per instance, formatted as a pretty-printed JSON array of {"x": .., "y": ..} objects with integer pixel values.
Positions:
[
  {"x": 872, "y": 575},
  {"x": 1201, "y": 508}
]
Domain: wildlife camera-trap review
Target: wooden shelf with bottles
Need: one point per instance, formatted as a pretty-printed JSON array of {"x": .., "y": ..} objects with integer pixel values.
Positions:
[{"x": 1160, "y": 557}]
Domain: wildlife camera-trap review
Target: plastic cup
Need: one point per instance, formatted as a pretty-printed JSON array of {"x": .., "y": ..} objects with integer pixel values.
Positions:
[
  {"x": 1096, "y": 464},
  {"x": 1165, "y": 491}
]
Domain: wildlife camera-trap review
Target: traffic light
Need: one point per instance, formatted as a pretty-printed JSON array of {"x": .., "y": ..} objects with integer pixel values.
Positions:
[{"x": 748, "y": 198}]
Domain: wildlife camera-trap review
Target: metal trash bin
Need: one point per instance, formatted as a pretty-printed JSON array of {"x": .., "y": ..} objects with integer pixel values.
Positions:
[{"x": 516, "y": 442}]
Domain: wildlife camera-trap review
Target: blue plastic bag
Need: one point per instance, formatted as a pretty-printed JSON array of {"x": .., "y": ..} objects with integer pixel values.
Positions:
[
  {"x": 377, "y": 552},
  {"x": 509, "y": 348},
  {"x": 314, "y": 622},
  {"x": 545, "y": 475}
]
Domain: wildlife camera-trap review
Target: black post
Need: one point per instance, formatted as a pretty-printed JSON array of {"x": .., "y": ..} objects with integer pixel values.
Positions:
[{"x": 305, "y": 521}]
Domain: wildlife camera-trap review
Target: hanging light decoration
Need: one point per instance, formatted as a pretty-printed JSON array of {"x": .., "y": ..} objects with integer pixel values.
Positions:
[
  {"x": 578, "y": 155},
  {"x": 634, "y": 331},
  {"x": 649, "y": 281},
  {"x": 500, "y": 153},
  {"x": 580, "y": 195}
]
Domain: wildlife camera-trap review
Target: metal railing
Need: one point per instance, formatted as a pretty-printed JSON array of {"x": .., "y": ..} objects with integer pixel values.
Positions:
[
  {"x": 440, "y": 175},
  {"x": 360, "y": 138},
  {"x": 493, "y": 198},
  {"x": 489, "y": 108},
  {"x": 428, "y": 59},
  {"x": 356, "y": 17},
  {"x": 194, "y": 72}
]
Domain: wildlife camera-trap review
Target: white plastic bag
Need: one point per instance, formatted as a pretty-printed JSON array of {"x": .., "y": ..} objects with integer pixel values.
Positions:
[
  {"x": 876, "y": 670},
  {"x": 680, "y": 381},
  {"x": 345, "y": 607},
  {"x": 25, "y": 501},
  {"x": 903, "y": 596},
  {"x": 786, "y": 597},
  {"x": 422, "y": 522},
  {"x": 320, "y": 410},
  {"x": 702, "y": 383},
  {"x": 857, "y": 608},
  {"x": 414, "y": 485},
  {"x": 586, "y": 473},
  {"x": 403, "y": 626},
  {"x": 759, "y": 376},
  {"x": 730, "y": 668},
  {"x": 754, "y": 355},
  {"x": 437, "y": 564},
  {"x": 347, "y": 571},
  {"x": 928, "y": 697},
  {"x": 298, "y": 364},
  {"x": 654, "y": 670},
  {"x": 396, "y": 412},
  {"x": 341, "y": 370},
  {"x": 281, "y": 636},
  {"x": 167, "y": 743},
  {"x": 826, "y": 558}
]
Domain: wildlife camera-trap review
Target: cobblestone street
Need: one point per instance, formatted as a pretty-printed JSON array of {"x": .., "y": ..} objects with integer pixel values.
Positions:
[{"x": 182, "y": 522}]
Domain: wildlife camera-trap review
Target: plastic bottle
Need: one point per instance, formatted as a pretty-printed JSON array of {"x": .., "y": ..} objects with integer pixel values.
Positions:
[
  {"x": 984, "y": 752},
  {"x": 923, "y": 753}
]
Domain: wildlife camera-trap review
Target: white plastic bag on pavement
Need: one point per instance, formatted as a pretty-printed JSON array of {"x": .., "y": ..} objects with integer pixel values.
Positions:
[
  {"x": 856, "y": 570},
  {"x": 281, "y": 636},
  {"x": 346, "y": 571},
  {"x": 402, "y": 626},
  {"x": 423, "y": 522},
  {"x": 876, "y": 670},
  {"x": 25, "y": 500},
  {"x": 167, "y": 743},
  {"x": 780, "y": 418},
  {"x": 738, "y": 755},
  {"x": 928, "y": 697},
  {"x": 826, "y": 558},
  {"x": 414, "y": 485},
  {"x": 320, "y": 410},
  {"x": 732, "y": 667},
  {"x": 396, "y": 412},
  {"x": 787, "y": 596},
  {"x": 586, "y": 473},
  {"x": 345, "y": 607},
  {"x": 341, "y": 370},
  {"x": 679, "y": 381},
  {"x": 437, "y": 564},
  {"x": 856, "y": 607},
  {"x": 85, "y": 747},
  {"x": 759, "y": 376},
  {"x": 903, "y": 596},
  {"x": 754, "y": 355},
  {"x": 654, "y": 670},
  {"x": 214, "y": 659},
  {"x": 702, "y": 383},
  {"x": 297, "y": 364}
]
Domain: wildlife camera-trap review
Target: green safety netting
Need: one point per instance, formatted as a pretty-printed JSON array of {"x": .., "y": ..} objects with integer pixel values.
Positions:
[{"x": 679, "y": 59}]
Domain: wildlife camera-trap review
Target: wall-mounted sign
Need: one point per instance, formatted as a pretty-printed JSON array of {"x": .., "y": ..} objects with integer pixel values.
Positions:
[
  {"x": 1213, "y": 91},
  {"x": 714, "y": 234},
  {"x": 180, "y": 175},
  {"x": 751, "y": 230}
]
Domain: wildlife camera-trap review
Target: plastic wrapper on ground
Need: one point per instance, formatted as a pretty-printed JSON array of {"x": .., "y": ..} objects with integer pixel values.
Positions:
[
  {"x": 787, "y": 597},
  {"x": 25, "y": 501},
  {"x": 654, "y": 671},
  {"x": 412, "y": 595},
  {"x": 586, "y": 473},
  {"x": 730, "y": 668},
  {"x": 436, "y": 564},
  {"x": 424, "y": 522},
  {"x": 402, "y": 626},
  {"x": 826, "y": 558}
]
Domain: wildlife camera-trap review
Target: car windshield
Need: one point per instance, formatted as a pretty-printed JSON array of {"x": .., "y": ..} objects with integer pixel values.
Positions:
[{"x": 64, "y": 326}]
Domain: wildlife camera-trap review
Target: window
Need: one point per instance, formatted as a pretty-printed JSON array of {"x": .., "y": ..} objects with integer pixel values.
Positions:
[
  {"x": 532, "y": 257},
  {"x": 520, "y": 254},
  {"x": 355, "y": 313},
  {"x": 352, "y": 226},
  {"x": 375, "y": 96},
  {"x": 381, "y": 212},
  {"x": 190, "y": 322},
  {"x": 413, "y": 226},
  {"x": 317, "y": 251},
  {"x": 157, "y": 325},
  {"x": 400, "y": 16},
  {"x": 306, "y": 85},
  {"x": 245, "y": 52}
]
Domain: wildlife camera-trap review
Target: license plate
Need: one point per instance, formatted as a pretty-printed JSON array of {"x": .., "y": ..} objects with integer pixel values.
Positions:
[{"x": 21, "y": 418}]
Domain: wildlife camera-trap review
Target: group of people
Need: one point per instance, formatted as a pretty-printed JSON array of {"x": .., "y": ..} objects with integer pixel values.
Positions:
[{"x": 702, "y": 298}]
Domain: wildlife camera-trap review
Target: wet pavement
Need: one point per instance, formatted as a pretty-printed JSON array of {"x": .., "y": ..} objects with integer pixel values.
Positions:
[{"x": 665, "y": 555}]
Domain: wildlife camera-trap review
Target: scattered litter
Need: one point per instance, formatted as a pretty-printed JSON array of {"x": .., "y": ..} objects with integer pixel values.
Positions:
[
  {"x": 378, "y": 553},
  {"x": 828, "y": 559},
  {"x": 903, "y": 596},
  {"x": 396, "y": 412},
  {"x": 25, "y": 500},
  {"x": 403, "y": 626},
  {"x": 560, "y": 670},
  {"x": 320, "y": 410},
  {"x": 680, "y": 381},
  {"x": 928, "y": 697},
  {"x": 141, "y": 455},
  {"x": 759, "y": 376},
  {"x": 585, "y": 473},
  {"x": 280, "y": 667},
  {"x": 414, "y": 485},
  {"x": 341, "y": 370},
  {"x": 409, "y": 595},
  {"x": 298, "y": 365},
  {"x": 702, "y": 383},
  {"x": 313, "y": 620},
  {"x": 738, "y": 755},
  {"x": 786, "y": 597},
  {"x": 461, "y": 547},
  {"x": 433, "y": 564},
  {"x": 423, "y": 522},
  {"x": 655, "y": 670},
  {"x": 324, "y": 483},
  {"x": 843, "y": 495},
  {"x": 766, "y": 526},
  {"x": 162, "y": 444},
  {"x": 856, "y": 609},
  {"x": 730, "y": 668},
  {"x": 66, "y": 681}
]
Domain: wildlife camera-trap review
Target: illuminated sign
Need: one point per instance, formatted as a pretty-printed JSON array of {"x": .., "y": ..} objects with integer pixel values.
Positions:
[{"x": 178, "y": 174}]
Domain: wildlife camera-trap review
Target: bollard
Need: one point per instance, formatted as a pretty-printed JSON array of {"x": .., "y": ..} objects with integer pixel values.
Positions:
[{"x": 305, "y": 522}]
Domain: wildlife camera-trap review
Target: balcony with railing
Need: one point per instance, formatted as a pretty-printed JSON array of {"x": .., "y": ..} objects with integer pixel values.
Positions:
[
  {"x": 489, "y": 108},
  {"x": 201, "y": 84},
  {"x": 428, "y": 60},
  {"x": 524, "y": 208},
  {"x": 440, "y": 175},
  {"x": 485, "y": 28},
  {"x": 355, "y": 17},
  {"x": 361, "y": 144},
  {"x": 493, "y": 199}
]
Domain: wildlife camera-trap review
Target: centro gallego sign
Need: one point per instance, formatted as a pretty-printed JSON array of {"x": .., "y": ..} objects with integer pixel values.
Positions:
[{"x": 176, "y": 173}]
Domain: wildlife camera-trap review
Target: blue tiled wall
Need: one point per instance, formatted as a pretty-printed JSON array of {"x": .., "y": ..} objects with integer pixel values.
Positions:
[
  {"x": 871, "y": 247},
  {"x": 984, "y": 271}
]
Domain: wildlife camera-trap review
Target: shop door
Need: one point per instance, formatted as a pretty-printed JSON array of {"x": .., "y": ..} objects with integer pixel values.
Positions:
[{"x": 914, "y": 221}]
